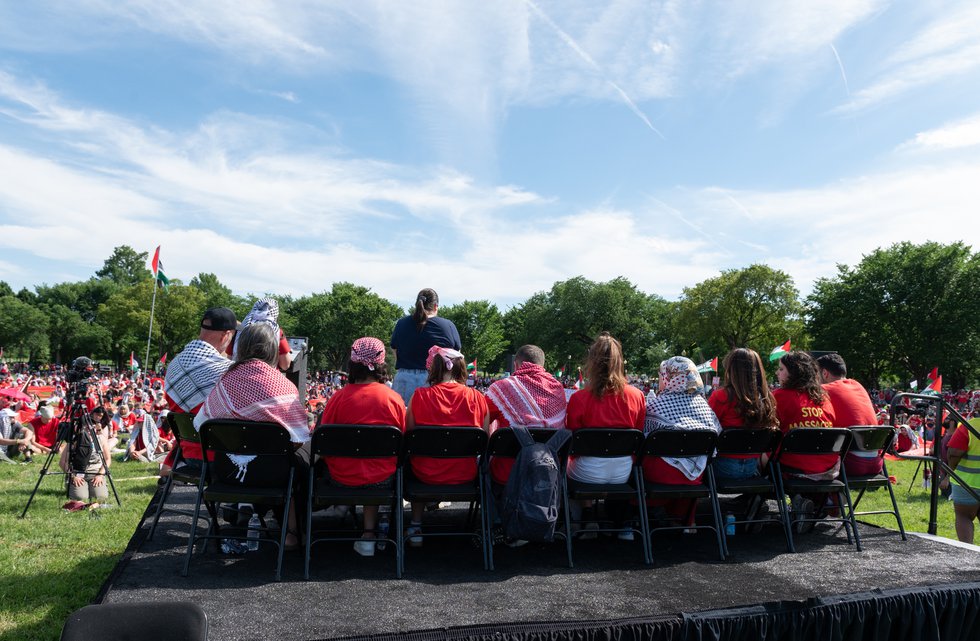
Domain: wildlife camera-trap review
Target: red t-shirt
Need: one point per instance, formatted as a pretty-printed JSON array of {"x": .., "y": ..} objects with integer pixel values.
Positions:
[
  {"x": 363, "y": 404},
  {"x": 447, "y": 404},
  {"x": 960, "y": 439},
  {"x": 727, "y": 412},
  {"x": 627, "y": 410},
  {"x": 45, "y": 433},
  {"x": 851, "y": 403},
  {"x": 795, "y": 410}
]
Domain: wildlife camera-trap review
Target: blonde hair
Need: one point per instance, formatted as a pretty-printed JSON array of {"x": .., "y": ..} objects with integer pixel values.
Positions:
[{"x": 604, "y": 366}]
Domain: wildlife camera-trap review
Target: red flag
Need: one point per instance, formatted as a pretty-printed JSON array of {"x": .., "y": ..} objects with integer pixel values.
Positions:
[
  {"x": 934, "y": 374},
  {"x": 937, "y": 385},
  {"x": 155, "y": 264},
  {"x": 714, "y": 363},
  {"x": 163, "y": 360}
]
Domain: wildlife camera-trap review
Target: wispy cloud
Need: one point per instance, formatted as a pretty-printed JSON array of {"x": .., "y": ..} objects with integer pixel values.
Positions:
[{"x": 952, "y": 135}]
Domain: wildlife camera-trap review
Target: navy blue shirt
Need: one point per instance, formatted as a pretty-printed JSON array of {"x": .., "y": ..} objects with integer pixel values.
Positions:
[{"x": 412, "y": 346}]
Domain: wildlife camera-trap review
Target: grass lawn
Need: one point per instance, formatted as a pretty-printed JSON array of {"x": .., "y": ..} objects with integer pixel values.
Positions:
[{"x": 55, "y": 562}]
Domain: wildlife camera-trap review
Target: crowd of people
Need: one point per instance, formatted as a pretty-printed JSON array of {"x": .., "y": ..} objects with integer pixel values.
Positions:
[{"x": 235, "y": 370}]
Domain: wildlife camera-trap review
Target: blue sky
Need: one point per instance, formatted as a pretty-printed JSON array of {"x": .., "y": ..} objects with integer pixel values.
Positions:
[{"x": 483, "y": 149}]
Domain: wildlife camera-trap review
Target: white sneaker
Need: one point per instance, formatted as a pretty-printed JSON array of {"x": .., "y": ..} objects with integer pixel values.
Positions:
[
  {"x": 412, "y": 533},
  {"x": 365, "y": 547},
  {"x": 626, "y": 534}
]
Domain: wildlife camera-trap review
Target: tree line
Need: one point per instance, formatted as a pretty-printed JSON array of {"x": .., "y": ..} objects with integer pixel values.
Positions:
[{"x": 894, "y": 316}]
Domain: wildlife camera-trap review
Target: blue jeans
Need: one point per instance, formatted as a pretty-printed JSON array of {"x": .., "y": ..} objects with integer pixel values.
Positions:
[
  {"x": 736, "y": 468},
  {"x": 406, "y": 381}
]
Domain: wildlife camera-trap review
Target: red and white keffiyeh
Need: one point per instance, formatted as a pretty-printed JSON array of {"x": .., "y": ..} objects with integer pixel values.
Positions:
[
  {"x": 368, "y": 351},
  {"x": 530, "y": 397},
  {"x": 254, "y": 391}
]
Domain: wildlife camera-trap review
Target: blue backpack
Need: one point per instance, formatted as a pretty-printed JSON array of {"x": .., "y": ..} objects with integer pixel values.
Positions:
[{"x": 532, "y": 496}]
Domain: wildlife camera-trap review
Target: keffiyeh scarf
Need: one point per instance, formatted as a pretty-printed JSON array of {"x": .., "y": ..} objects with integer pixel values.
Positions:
[
  {"x": 193, "y": 373},
  {"x": 265, "y": 310},
  {"x": 530, "y": 397},
  {"x": 447, "y": 354},
  {"x": 254, "y": 391},
  {"x": 368, "y": 351},
  {"x": 679, "y": 406}
]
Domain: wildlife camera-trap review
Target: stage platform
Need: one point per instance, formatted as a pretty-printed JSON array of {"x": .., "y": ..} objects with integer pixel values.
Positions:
[{"x": 894, "y": 589}]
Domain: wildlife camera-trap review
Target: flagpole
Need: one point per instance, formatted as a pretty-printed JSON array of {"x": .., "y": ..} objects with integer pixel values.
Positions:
[{"x": 149, "y": 336}]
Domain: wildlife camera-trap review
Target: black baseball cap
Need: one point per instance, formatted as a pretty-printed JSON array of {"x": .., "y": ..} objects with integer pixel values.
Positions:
[{"x": 219, "y": 319}]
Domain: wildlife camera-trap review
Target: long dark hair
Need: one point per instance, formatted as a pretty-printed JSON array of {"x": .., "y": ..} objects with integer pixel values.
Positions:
[
  {"x": 803, "y": 375},
  {"x": 438, "y": 370},
  {"x": 604, "y": 366},
  {"x": 745, "y": 384},
  {"x": 359, "y": 372},
  {"x": 425, "y": 303}
]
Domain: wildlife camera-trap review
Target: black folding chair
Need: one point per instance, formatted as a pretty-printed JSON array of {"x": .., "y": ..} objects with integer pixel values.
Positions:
[
  {"x": 142, "y": 620},
  {"x": 253, "y": 463},
  {"x": 810, "y": 441},
  {"x": 684, "y": 444},
  {"x": 182, "y": 426},
  {"x": 354, "y": 441},
  {"x": 447, "y": 443},
  {"x": 736, "y": 441},
  {"x": 606, "y": 443},
  {"x": 504, "y": 444},
  {"x": 878, "y": 439}
]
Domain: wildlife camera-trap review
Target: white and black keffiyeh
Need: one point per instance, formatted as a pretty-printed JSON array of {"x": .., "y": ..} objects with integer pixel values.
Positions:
[
  {"x": 680, "y": 407},
  {"x": 265, "y": 310},
  {"x": 193, "y": 373}
]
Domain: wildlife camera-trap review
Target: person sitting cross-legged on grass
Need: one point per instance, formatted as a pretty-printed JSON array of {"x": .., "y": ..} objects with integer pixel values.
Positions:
[
  {"x": 365, "y": 400},
  {"x": 447, "y": 401}
]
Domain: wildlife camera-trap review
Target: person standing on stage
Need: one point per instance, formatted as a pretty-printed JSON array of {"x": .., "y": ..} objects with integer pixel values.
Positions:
[{"x": 413, "y": 336}]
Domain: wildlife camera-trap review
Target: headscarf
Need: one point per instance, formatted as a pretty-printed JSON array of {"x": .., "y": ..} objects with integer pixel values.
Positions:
[
  {"x": 265, "y": 310},
  {"x": 679, "y": 406},
  {"x": 368, "y": 351},
  {"x": 530, "y": 397},
  {"x": 256, "y": 391},
  {"x": 447, "y": 354}
]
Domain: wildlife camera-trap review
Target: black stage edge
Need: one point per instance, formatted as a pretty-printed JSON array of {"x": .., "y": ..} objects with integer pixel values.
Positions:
[
  {"x": 933, "y": 614},
  {"x": 920, "y": 589}
]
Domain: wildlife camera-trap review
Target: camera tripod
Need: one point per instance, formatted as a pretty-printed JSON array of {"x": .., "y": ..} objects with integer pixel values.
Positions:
[{"x": 77, "y": 425}]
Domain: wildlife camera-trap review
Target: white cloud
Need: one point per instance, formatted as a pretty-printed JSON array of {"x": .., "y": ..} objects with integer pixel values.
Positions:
[
  {"x": 952, "y": 135},
  {"x": 945, "y": 47}
]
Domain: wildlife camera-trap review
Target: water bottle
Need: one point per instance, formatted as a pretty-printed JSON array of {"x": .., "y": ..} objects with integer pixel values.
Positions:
[
  {"x": 382, "y": 533},
  {"x": 730, "y": 524},
  {"x": 254, "y": 524}
]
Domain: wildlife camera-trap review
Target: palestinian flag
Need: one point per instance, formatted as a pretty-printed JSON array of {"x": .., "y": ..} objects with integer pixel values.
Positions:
[
  {"x": 133, "y": 365},
  {"x": 709, "y": 366},
  {"x": 471, "y": 367},
  {"x": 914, "y": 384},
  {"x": 779, "y": 352},
  {"x": 163, "y": 359},
  {"x": 579, "y": 384},
  {"x": 936, "y": 387},
  {"x": 560, "y": 373},
  {"x": 157, "y": 266}
]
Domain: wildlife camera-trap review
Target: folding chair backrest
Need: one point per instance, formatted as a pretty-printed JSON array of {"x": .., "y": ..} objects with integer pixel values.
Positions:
[
  {"x": 504, "y": 443},
  {"x": 356, "y": 441},
  {"x": 680, "y": 443},
  {"x": 445, "y": 442},
  {"x": 606, "y": 442},
  {"x": 871, "y": 438},
  {"x": 738, "y": 440},
  {"x": 182, "y": 425},
  {"x": 249, "y": 454},
  {"x": 816, "y": 440}
]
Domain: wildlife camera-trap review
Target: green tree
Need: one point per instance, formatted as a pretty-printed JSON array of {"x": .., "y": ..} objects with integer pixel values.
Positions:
[
  {"x": 333, "y": 320},
  {"x": 23, "y": 329},
  {"x": 756, "y": 307},
  {"x": 565, "y": 320},
  {"x": 83, "y": 297},
  {"x": 904, "y": 309},
  {"x": 481, "y": 331},
  {"x": 125, "y": 267}
]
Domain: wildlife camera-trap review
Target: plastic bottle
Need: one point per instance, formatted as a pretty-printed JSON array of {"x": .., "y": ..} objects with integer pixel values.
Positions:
[
  {"x": 730, "y": 524},
  {"x": 383, "y": 527},
  {"x": 254, "y": 524}
]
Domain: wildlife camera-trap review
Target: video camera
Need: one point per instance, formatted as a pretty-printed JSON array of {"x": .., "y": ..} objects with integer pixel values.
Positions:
[{"x": 82, "y": 368}]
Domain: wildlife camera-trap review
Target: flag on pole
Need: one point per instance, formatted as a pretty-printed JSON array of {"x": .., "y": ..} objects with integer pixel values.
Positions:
[
  {"x": 560, "y": 373},
  {"x": 914, "y": 384},
  {"x": 132, "y": 362},
  {"x": 158, "y": 273},
  {"x": 934, "y": 374},
  {"x": 780, "y": 351},
  {"x": 936, "y": 386},
  {"x": 163, "y": 359},
  {"x": 471, "y": 367},
  {"x": 579, "y": 383},
  {"x": 708, "y": 366}
]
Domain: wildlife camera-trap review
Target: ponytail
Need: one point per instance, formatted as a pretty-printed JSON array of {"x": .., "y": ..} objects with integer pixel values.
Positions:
[{"x": 425, "y": 303}]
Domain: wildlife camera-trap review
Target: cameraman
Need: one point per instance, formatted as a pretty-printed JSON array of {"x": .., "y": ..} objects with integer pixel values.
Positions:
[{"x": 81, "y": 460}]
